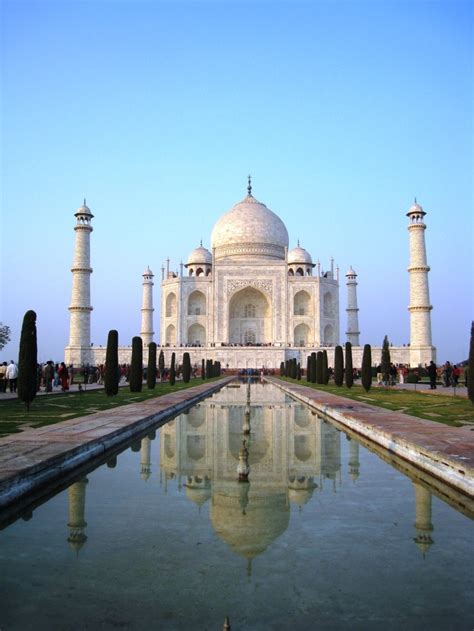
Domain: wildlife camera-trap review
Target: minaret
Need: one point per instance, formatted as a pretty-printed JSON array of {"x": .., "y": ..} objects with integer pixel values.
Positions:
[
  {"x": 145, "y": 458},
  {"x": 421, "y": 350},
  {"x": 423, "y": 524},
  {"x": 77, "y": 523},
  {"x": 352, "y": 310},
  {"x": 147, "y": 307},
  {"x": 78, "y": 351}
]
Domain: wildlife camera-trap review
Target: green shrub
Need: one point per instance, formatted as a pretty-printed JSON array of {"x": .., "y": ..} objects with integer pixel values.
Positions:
[
  {"x": 28, "y": 360},
  {"x": 136, "y": 365},
  {"x": 338, "y": 366},
  {"x": 349, "y": 374},
  {"x": 366, "y": 371},
  {"x": 111, "y": 376},
  {"x": 151, "y": 369},
  {"x": 173, "y": 370}
]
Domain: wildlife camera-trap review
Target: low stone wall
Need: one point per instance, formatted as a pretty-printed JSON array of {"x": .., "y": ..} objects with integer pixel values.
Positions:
[{"x": 240, "y": 357}]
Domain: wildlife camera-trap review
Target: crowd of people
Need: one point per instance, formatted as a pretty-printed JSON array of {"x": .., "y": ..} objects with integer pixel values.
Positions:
[{"x": 57, "y": 375}]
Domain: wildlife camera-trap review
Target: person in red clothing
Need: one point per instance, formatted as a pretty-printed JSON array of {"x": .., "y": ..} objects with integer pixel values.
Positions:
[{"x": 63, "y": 373}]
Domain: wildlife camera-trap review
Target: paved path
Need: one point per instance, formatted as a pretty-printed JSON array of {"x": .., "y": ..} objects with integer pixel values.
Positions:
[
  {"x": 36, "y": 457},
  {"x": 445, "y": 452}
]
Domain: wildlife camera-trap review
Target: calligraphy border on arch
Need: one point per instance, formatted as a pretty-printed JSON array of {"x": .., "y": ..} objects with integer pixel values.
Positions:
[{"x": 235, "y": 285}]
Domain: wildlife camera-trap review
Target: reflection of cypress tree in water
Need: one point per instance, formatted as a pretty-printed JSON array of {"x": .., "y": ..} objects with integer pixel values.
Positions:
[
  {"x": 145, "y": 458},
  {"x": 112, "y": 462},
  {"x": 353, "y": 459},
  {"x": 77, "y": 523},
  {"x": 423, "y": 523}
]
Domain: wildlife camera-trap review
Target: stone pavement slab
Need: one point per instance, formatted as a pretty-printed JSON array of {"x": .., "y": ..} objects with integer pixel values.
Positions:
[
  {"x": 445, "y": 452},
  {"x": 35, "y": 457}
]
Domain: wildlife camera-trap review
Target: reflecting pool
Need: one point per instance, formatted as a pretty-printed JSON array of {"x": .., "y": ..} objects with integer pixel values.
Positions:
[{"x": 324, "y": 535}]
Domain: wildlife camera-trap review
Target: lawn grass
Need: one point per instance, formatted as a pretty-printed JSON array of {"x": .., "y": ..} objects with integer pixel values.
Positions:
[
  {"x": 51, "y": 409},
  {"x": 450, "y": 410}
]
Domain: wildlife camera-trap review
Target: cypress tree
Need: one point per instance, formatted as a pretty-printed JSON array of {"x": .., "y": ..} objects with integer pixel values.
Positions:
[
  {"x": 136, "y": 366},
  {"x": 282, "y": 369},
  {"x": 338, "y": 366},
  {"x": 308, "y": 368},
  {"x": 367, "y": 368},
  {"x": 186, "y": 368},
  {"x": 217, "y": 369},
  {"x": 349, "y": 375},
  {"x": 385, "y": 362},
  {"x": 325, "y": 369},
  {"x": 209, "y": 369},
  {"x": 313, "y": 367},
  {"x": 151, "y": 370},
  {"x": 28, "y": 360},
  {"x": 319, "y": 367},
  {"x": 161, "y": 364},
  {"x": 203, "y": 370},
  {"x": 111, "y": 376},
  {"x": 298, "y": 371},
  {"x": 173, "y": 370},
  {"x": 470, "y": 367}
]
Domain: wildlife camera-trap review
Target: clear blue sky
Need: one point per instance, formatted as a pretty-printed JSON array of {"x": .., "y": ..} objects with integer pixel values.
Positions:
[{"x": 156, "y": 112}]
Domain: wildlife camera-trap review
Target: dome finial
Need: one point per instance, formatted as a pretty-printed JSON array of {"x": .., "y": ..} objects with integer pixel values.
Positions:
[
  {"x": 416, "y": 201},
  {"x": 298, "y": 243},
  {"x": 249, "y": 187},
  {"x": 200, "y": 243},
  {"x": 85, "y": 202}
]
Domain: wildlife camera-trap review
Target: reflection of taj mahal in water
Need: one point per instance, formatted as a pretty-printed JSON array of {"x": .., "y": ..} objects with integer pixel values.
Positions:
[{"x": 293, "y": 455}]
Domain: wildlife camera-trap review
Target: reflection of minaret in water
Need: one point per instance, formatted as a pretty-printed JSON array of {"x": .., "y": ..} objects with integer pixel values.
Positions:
[
  {"x": 353, "y": 459},
  {"x": 77, "y": 523},
  {"x": 145, "y": 458},
  {"x": 423, "y": 523}
]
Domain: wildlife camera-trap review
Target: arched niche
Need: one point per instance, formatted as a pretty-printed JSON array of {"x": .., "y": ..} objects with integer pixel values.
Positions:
[
  {"x": 170, "y": 305},
  {"x": 199, "y": 271},
  {"x": 169, "y": 446},
  {"x": 328, "y": 305},
  {"x": 300, "y": 271},
  {"x": 303, "y": 449},
  {"x": 328, "y": 335},
  {"x": 171, "y": 335},
  {"x": 197, "y": 335},
  {"x": 196, "y": 447},
  {"x": 250, "y": 317},
  {"x": 197, "y": 303},
  {"x": 302, "y": 304},
  {"x": 301, "y": 335}
]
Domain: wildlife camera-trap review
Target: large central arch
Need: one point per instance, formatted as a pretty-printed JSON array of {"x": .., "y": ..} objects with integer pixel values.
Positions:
[{"x": 250, "y": 318}]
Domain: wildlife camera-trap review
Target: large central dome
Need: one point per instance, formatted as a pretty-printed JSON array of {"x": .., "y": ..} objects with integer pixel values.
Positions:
[{"x": 250, "y": 229}]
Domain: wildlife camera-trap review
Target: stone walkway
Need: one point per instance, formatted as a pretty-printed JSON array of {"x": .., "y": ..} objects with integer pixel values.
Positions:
[
  {"x": 36, "y": 457},
  {"x": 444, "y": 452}
]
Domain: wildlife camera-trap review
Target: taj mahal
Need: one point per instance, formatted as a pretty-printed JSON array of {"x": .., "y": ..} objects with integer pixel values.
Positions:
[{"x": 250, "y": 301}]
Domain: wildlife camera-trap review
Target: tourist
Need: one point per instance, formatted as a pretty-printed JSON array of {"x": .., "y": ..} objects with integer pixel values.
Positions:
[
  {"x": 63, "y": 373},
  {"x": 3, "y": 378},
  {"x": 456, "y": 374},
  {"x": 432, "y": 373},
  {"x": 12, "y": 376},
  {"x": 447, "y": 374},
  {"x": 48, "y": 376}
]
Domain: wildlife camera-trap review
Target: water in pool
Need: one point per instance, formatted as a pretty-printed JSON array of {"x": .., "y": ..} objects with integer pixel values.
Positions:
[{"x": 325, "y": 535}]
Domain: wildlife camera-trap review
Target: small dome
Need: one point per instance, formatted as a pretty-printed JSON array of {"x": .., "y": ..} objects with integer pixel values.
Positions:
[
  {"x": 83, "y": 210},
  {"x": 147, "y": 272},
  {"x": 416, "y": 209},
  {"x": 200, "y": 256},
  {"x": 299, "y": 255},
  {"x": 351, "y": 272},
  {"x": 250, "y": 229}
]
